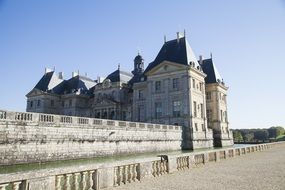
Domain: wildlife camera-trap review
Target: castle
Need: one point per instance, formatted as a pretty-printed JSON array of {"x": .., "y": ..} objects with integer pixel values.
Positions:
[{"x": 175, "y": 88}]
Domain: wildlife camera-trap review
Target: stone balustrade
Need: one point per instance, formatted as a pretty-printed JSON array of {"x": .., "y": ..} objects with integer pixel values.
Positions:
[
  {"x": 126, "y": 174},
  {"x": 183, "y": 162},
  {"x": 159, "y": 167},
  {"x": 119, "y": 173},
  {"x": 15, "y": 185},
  {"x": 58, "y": 120},
  {"x": 77, "y": 181},
  {"x": 199, "y": 159}
]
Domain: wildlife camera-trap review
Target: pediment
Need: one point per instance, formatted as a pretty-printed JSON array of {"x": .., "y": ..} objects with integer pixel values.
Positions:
[
  {"x": 34, "y": 92},
  {"x": 166, "y": 67},
  {"x": 105, "y": 102}
]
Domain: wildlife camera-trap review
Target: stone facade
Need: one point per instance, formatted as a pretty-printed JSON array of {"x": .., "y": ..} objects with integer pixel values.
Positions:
[{"x": 171, "y": 90}]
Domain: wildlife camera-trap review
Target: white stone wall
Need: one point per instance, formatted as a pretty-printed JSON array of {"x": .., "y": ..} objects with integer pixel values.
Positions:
[{"x": 31, "y": 137}]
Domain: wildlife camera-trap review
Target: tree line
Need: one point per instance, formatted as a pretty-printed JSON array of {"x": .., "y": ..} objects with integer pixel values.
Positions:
[{"x": 259, "y": 135}]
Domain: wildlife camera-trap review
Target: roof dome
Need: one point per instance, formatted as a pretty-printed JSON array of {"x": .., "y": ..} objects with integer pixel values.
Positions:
[{"x": 138, "y": 58}]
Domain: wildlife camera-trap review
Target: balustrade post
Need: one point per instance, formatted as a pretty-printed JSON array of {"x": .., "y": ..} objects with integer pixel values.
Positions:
[
  {"x": 3, "y": 186},
  {"x": 84, "y": 180},
  {"x": 76, "y": 181},
  {"x": 116, "y": 176},
  {"x": 157, "y": 168},
  {"x": 130, "y": 173},
  {"x": 135, "y": 176},
  {"x": 121, "y": 174},
  {"x": 59, "y": 178},
  {"x": 68, "y": 180},
  {"x": 91, "y": 177}
]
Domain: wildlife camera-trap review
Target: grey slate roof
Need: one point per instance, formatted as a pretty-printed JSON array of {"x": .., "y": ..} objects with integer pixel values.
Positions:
[
  {"x": 174, "y": 51},
  {"x": 44, "y": 82},
  {"x": 79, "y": 84},
  {"x": 120, "y": 76},
  {"x": 50, "y": 82},
  {"x": 137, "y": 78},
  {"x": 212, "y": 72}
]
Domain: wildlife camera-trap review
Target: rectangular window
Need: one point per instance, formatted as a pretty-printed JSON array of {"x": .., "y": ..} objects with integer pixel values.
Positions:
[
  {"x": 193, "y": 83},
  {"x": 157, "y": 86},
  {"x": 175, "y": 84},
  {"x": 52, "y": 103},
  {"x": 196, "y": 126},
  {"x": 201, "y": 86},
  {"x": 226, "y": 116},
  {"x": 176, "y": 108},
  {"x": 203, "y": 127},
  {"x": 208, "y": 96},
  {"x": 70, "y": 103},
  {"x": 158, "y": 109},
  {"x": 202, "y": 110},
  {"x": 140, "y": 94},
  {"x": 31, "y": 104},
  {"x": 195, "y": 108},
  {"x": 62, "y": 103},
  {"x": 39, "y": 103},
  {"x": 221, "y": 115}
]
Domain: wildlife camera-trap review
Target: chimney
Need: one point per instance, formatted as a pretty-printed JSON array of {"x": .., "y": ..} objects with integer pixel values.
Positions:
[
  {"x": 74, "y": 74},
  {"x": 60, "y": 75},
  {"x": 201, "y": 59},
  {"x": 47, "y": 70},
  {"x": 164, "y": 38},
  {"x": 178, "y": 36}
]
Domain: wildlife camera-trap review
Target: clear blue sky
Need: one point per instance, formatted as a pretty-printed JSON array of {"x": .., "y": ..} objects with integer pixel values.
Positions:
[{"x": 246, "y": 37}]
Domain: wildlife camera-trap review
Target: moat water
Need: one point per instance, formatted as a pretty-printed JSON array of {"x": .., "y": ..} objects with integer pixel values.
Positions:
[{"x": 96, "y": 160}]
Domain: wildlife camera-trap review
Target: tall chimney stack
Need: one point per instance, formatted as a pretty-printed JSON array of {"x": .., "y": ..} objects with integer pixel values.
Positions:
[
  {"x": 201, "y": 59},
  {"x": 178, "y": 35},
  {"x": 60, "y": 75}
]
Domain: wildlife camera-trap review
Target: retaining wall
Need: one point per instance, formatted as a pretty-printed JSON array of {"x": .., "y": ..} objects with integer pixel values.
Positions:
[{"x": 34, "y": 137}]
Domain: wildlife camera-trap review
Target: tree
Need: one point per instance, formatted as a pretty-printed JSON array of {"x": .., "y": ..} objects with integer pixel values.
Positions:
[
  {"x": 237, "y": 136},
  {"x": 248, "y": 137},
  {"x": 261, "y": 135},
  {"x": 274, "y": 132}
]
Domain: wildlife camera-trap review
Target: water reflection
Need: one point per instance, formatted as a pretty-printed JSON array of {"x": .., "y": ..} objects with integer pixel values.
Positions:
[{"x": 97, "y": 160}]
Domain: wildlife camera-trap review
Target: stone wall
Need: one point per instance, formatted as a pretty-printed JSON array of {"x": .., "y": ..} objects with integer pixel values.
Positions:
[{"x": 36, "y": 137}]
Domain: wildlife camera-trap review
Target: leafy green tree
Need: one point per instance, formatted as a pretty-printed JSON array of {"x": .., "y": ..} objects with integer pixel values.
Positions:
[
  {"x": 237, "y": 136},
  {"x": 274, "y": 132},
  {"x": 261, "y": 135}
]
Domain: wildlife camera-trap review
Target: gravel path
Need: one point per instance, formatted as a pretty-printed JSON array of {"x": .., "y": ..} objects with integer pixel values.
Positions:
[{"x": 258, "y": 170}]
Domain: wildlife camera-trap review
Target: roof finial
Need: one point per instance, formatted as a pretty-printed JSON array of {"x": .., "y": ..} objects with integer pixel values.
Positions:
[
  {"x": 164, "y": 38},
  {"x": 184, "y": 33},
  {"x": 53, "y": 68},
  {"x": 119, "y": 66},
  {"x": 211, "y": 55}
]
